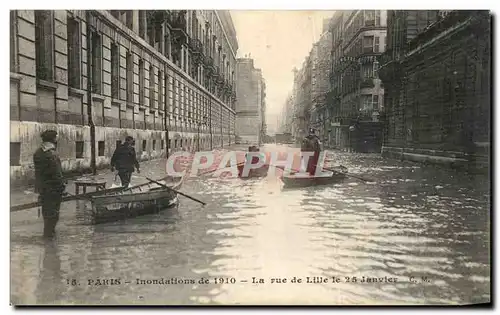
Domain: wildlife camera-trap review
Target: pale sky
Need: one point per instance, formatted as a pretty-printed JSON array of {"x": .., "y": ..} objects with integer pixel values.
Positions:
[{"x": 277, "y": 41}]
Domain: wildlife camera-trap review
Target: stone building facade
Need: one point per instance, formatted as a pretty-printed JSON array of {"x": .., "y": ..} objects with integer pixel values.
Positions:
[
  {"x": 167, "y": 78},
  {"x": 356, "y": 90},
  {"x": 437, "y": 74},
  {"x": 302, "y": 100},
  {"x": 320, "y": 84},
  {"x": 250, "y": 104},
  {"x": 286, "y": 116}
]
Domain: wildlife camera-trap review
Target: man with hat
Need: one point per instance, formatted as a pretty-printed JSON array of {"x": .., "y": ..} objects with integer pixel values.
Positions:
[
  {"x": 311, "y": 143},
  {"x": 124, "y": 159},
  {"x": 49, "y": 182}
]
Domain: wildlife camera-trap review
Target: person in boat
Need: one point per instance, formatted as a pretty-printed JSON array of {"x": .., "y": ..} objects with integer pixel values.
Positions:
[
  {"x": 311, "y": 143},
  {"x": 49, "y": 181},
  {"x": 124, "y": 159},
  {"x": 254, "y": 160}
]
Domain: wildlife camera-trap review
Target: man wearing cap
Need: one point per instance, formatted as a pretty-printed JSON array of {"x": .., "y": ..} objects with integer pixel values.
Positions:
[
  {"x": 124, "y": 160},
  {"x": 311, "y": 143},
  {"x": 49, "y": 182}
]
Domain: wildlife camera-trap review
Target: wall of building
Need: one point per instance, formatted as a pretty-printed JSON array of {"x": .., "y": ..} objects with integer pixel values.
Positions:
[
  {"x": 250, "y": 105},
  {"x": 356, "y": 93},
  {"x": 439, "y": 97},
  {"x": 142, "y": 86}
]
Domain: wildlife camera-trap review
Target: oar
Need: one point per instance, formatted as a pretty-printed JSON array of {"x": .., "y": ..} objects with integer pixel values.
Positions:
[
  {"x": 347, "y": 174},
  {"x": 70, "y": 197},
  {"x": 218, "y": 169},
  {"x": 176, "y": 191}
]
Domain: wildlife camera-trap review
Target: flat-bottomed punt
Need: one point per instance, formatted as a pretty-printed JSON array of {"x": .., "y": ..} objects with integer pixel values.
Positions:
[
  {"x": 292, "y": 180},
  {"x": 148, "y": 198}
]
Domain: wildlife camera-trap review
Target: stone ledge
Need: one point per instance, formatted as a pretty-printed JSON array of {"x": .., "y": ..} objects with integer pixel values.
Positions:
[
  {"x": 98, "y": 97},
  {"x": 46, "y": 84},
  {"x": 76, "y": 92},
  {"x": 15, "y": 77},
  {"x": 446, "y": 158}
]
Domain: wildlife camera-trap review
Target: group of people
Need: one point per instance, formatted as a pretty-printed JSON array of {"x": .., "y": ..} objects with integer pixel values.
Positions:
[{"x": 50, "y": 183}]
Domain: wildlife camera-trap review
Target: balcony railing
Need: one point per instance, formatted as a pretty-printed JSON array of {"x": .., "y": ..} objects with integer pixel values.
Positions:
[
  {"x": 367, "y": 83},
  {"x": 158, "y": 16},
  {"x": 179, "y": 24},
  {"x": 196, "y": 46}
]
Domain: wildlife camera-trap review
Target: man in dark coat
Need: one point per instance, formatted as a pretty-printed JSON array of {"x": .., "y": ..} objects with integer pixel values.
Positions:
[
  {"x": 49, "y": 182},
  {"x": 311, "y": 143},
  {"x": 124, "y": 160}
]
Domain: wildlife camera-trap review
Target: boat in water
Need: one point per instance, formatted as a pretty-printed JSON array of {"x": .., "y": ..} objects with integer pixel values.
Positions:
[
  {"x": 120, "y": 204},
  {"x": 338, "y": 174},
  {"x": 253, "y": 173}
]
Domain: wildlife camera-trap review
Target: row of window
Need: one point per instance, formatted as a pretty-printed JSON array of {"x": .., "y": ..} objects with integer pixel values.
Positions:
[
  {"x": 121, "y": 88},
  {"x": 15, "y": 148},
  {"x": 153, "y": 36},
  {"x": 364, "y": 18}
]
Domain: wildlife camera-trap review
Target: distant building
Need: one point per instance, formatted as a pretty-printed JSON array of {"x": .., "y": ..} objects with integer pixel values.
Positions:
[
  {"x": 302, "y": 99},
  {"x": 320, "y": 84},
  {"x": 357, "y": 92},
  {"x": 250, "y": 105}
]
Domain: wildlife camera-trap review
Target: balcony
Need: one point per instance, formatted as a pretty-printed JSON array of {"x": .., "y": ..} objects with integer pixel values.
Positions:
[
  {"x": 367, "y": 83},
  {"x": 209, "y": 64},
  {"x": 158, "y": 16},
  {"x": 390, "y": 67},
  {"x": 179, "y": 26},
  {"x": 196, "y": 46}
]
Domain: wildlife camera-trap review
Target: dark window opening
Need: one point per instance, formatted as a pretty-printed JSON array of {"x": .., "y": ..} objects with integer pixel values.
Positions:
[
  {"x": 100, "y": 148},
  {"x": 96, "y": 63},
  {"x": 44, "y": 45},
  {"x": 115, "y": 71},
  {"x": 175, "y": 144},
  {"x": 79, "y": 149},
  {"x": 154, "y": 145},
  {"x": 162, "y": 144},
  {"x": 141, "y": 82},
  {"x": 144, "y": 142},
  {"x": 74, "y": 53},
  {"x": 15, "y": 153},
  {"x": 130, "y": 77},
  {"x": 151, "y": 86}
]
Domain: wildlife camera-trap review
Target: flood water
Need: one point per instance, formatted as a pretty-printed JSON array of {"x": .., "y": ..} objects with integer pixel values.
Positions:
[{"x": 424, "y": 229}]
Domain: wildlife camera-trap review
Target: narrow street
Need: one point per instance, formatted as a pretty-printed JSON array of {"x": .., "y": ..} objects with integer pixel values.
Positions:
[{"x": 414, "y": 223}]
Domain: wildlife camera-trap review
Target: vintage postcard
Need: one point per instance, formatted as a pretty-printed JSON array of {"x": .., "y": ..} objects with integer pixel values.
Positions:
[{"x": 228, "y": 157}]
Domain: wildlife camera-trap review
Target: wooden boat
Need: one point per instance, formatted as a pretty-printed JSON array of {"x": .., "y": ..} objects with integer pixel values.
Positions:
[
  {"x": 133, "y": 201},
  {"x": 338, "y": 175},
  {"x": 253, "y": 173}
]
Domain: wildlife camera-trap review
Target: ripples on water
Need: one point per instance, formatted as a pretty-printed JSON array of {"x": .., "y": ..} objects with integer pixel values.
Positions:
[{"x": 401, "y": 226}]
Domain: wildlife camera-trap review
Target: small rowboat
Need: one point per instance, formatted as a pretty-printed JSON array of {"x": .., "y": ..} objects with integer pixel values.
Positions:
[
  {"x": 115, "y": 205},
  {"x": 253, "y": 173},
  {"x": 338, "y": 175}
]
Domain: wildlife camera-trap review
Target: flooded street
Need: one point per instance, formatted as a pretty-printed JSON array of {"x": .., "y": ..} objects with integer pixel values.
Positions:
[{"x": 422, "y": 231}]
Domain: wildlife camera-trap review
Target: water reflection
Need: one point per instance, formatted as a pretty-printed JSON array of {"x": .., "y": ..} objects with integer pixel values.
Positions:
[
  {"x": 51, "y": 284},
  {"x": 412, "y": 222}
]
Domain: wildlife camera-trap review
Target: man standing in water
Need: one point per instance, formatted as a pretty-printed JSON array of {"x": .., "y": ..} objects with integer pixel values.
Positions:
[
  {"x": 124, "y": 160},
  {"x": 49, "y": 182},
  {"x": 311, "y": 143}
]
